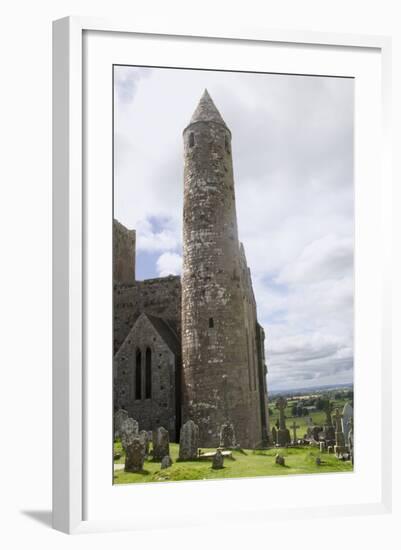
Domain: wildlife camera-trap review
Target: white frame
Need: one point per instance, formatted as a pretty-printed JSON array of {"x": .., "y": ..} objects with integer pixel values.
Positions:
[{"x": 68, "y": 253}]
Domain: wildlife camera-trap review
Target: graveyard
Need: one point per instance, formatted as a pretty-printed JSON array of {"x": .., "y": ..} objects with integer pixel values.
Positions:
[
  {"x": 248, "y": 463},
  {"x": 310, "y": 444}
]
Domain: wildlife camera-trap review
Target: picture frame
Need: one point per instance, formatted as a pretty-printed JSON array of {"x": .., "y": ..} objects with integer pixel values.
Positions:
[{"x": 71, "y": 261}]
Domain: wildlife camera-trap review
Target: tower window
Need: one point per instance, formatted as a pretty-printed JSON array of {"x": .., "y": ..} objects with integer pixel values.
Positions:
[
  {"x": 227, "y": 145},
  {"x": 138, "y": 374},
  {"x": 148, "y": 373},
  {"x": 191, "y": 139},
  {"x": 211, "y": 322}
]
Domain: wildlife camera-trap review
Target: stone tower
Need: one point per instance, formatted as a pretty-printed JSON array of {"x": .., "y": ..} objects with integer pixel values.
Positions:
[{"x": 220, "y": 381}]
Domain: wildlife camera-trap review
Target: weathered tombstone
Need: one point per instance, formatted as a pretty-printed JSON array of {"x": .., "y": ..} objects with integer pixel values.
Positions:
[
  {"x": 322, "y": 446},
  {"x": 294, "y": 428},
  {"x": 166, "y": 462},
  {"x": 318, "y": 461},
  {"x": 143, "y": 436},
  {"x": 227, "y": 436},
  {"x": 161, "y": 443},
  {"x": 218, "y": 461},
  {"x": 340, "y": 442},
  {"x": 119, "y": 417},
  {"x": 347, "y": 415},
  {"x": 283, "y": 434},
  {"x": 274, "y": 435},
  {"x": 128, "y": 432},
  {"x": 134, "y": 455},
  {"x": 280, "y": 460},
  {"x": 351, "y": 439},
  {"x": 189, "y": 441}
]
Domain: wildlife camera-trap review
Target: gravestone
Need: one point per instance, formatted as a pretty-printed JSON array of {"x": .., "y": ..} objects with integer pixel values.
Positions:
[
  {"x": 340, "y": 442},
  {"x": 227, "y": 436},
  {"x": 143, "y": 436},
  {"x": 274, "y": 435},
  {"x": 119, "y": 417},
  {"x": 218, "y": 461},
  {"x": 189, "y": 441},
  {"x": 166, "y": 462},
  {"x": 280, "y": 460},
  {"x": 283, "y": 434},
  {"x": 348, "y": 412},
  {"x": 294, "y": 428},
  {"x": 134, "y": 455},
  {"x": 318, "y": 461},
  {"x": 351, "y": 439},
  {"x": 322, "y": 446},
  {"x": 128, "y": 432},
  {"x": 161, "y": 443}
]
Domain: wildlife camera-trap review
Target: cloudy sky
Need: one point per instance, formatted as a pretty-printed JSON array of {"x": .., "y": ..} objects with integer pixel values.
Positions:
[{"x": 293, "y": 165}]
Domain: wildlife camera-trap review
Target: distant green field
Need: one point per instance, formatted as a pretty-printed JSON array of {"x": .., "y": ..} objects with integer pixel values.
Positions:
[{"x": 299, "y": 460}]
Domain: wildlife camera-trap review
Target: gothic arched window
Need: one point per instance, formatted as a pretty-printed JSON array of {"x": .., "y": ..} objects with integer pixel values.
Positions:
[
  {"x": 138, "y": 374},
  {"x": 148, "y": 373}
]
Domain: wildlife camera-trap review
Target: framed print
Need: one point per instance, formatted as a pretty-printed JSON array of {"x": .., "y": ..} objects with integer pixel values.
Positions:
[{"x": 220, "y": 262}]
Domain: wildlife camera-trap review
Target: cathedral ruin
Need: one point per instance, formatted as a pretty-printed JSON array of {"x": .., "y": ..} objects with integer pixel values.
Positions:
[{"x": 191, "y": 347}]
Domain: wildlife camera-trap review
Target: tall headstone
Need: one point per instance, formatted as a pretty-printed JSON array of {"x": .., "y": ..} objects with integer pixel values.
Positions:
[
  {"x": 283, "y": 434},
  {"x": 143, "y": 436},
  {"x": 161, "y": 443},
  {"x": 119, "y": 417},
  {"x": 134, "y": 455},
  {"x": 294, "y": 428},
  {"x": 128, "y": 432},
  {"x": 227, "y": 436},
  {"x": 348, "y": 413},
  {"x": 189, "y": 441},
  {"x": 340, "y": 442}
]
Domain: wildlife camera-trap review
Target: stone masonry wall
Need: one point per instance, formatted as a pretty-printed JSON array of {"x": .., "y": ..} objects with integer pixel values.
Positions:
[
  {"x": 217, "y": 383},
  {"x": 123, "y": 253},
  {"x": 159, "y": 409},
  {"x": 160, "y": 297}
]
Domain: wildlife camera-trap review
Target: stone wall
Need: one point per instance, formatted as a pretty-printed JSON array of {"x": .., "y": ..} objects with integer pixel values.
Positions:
[
  {"x": 220, "y": 381},
  {"x": 156, "y": 404},
  {"x": 160, "y": 297},
  {"x": 123, "y": 253}
]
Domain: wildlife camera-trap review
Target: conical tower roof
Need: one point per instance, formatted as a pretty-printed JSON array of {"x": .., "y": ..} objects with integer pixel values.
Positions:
[{"x": 206, "y": 111}]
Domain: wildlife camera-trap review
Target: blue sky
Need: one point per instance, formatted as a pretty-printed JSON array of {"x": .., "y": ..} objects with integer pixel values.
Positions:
[{"x": 293, "y": 169}]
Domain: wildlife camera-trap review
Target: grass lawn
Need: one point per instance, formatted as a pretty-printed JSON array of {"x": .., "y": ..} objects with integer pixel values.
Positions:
[{"x": 298, "y": 460}]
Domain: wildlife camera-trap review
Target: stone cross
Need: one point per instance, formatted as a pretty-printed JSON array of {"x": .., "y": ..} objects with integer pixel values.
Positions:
[
  {"x": 347, "y": 414},
  {"x": 281, "y": 404},
  {"x": 294, "y": 428},
  {"x": 337, "y": 419}
]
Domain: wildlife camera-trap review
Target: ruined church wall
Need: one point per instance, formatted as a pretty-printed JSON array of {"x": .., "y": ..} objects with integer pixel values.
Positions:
[
  {"x": 160, "y": 297},
  {"x": 160, "y": 408}
]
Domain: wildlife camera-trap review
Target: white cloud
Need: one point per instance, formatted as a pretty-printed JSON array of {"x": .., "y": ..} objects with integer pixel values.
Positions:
[{"x": 169, "y": 263}]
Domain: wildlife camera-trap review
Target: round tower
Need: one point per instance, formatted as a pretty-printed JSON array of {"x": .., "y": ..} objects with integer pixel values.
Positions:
[{"x": 217, "y": 385}]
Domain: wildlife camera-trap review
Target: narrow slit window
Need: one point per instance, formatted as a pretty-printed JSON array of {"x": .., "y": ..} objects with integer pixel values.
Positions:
[
  {"x": 211, "y": 322},
  {"x": 138, "y": 375},
  {"x": 148, "y": 373},
  {"x": 191, "y": 139}
]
